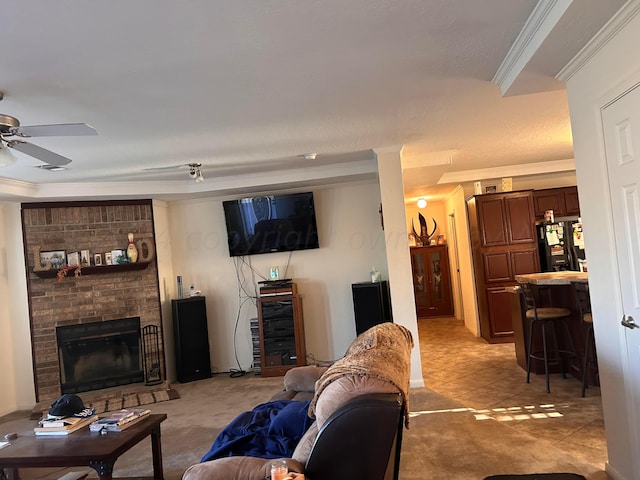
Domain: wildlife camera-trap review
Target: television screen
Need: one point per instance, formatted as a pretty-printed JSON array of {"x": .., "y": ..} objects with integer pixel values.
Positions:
[{"x": 271, "y": 223}]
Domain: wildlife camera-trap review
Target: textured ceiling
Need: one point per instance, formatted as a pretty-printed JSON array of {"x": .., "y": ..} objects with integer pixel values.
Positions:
[{"x": 248, "y": 87}]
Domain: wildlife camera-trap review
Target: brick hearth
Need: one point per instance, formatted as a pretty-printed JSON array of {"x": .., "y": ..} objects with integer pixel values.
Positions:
[{"x": 98, "y": 227}]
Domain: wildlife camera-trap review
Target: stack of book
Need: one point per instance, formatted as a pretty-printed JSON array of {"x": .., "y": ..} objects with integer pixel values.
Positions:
[
  {"x": 119, "y": 421},
  {"x": 51, "y": 425}
]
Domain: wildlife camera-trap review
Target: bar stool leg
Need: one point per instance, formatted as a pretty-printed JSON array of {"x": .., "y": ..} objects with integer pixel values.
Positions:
[
  {"x": 585, "y": 361},
  {"x": 573, "y": 353},
  {"x": 544, "y": 354},
  {"x": 557, "y": 355},
  {"x": 529, "y": 347}
]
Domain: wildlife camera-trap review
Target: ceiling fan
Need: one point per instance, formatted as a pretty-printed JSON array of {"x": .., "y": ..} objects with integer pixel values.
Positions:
[{"x": 12, "y": 133}]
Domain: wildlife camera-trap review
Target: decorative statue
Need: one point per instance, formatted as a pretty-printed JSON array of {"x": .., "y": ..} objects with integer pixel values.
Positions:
[{"x": 424, "y": 234}]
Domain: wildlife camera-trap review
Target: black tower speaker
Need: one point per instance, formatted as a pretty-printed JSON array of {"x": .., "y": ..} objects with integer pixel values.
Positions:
[
  {"x": 371, "y": 304},
  {"x": 191, "y": 339}
]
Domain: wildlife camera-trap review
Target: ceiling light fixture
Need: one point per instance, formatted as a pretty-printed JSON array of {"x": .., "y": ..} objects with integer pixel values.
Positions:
[
  {"x": 195, "y": 172},
  {"x": 422, "y": 202},
  {"x": 6, "y": 157},
  {"x": 51, "y": 168},
  {"x": 310, "y": 156}
]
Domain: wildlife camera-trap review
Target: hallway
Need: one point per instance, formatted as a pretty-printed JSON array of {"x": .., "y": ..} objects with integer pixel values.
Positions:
[{"x": 487, "y": 378}]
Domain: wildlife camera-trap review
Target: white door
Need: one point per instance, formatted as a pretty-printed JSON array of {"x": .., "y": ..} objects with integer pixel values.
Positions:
[{"x": 621, "y": 123}]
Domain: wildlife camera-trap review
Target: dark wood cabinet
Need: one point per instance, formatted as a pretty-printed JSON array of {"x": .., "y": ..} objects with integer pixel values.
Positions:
[
  {"x": 571, "y": 201},
  {"x": 563, "y": 201},
  {"x": 281, "y": 330},
  {"x": 431, "y": 281},
  {"x": 504, "y": 219},
  {"x": 492, "y": 221},
  {"x": 520, "y": 226},
  {"x": 504, "y": 244}
]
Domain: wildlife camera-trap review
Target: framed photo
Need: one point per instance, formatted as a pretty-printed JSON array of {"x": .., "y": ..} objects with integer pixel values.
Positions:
[
  {"x": 490, "y": 189},
  {"x": 117, "y": 257},
  {"x": 107, "y": 258},
  {"x": 85, "y": 258},
  {"x": 54, "y": 258},
  {"x": 548, "y": 216},
  {"x": 73, "y": 259},
  {"x": 97, "y": 259}
]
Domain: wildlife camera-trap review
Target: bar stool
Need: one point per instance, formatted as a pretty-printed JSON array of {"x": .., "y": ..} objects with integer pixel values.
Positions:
[
  {"x": 584, "y": 305},
  {"x": 546, "y": 317}
]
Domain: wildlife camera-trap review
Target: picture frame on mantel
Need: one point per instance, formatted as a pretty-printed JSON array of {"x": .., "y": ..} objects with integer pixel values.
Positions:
[
  {"x": 117, "y": 257},
  {"x": 53, "y": 259}
]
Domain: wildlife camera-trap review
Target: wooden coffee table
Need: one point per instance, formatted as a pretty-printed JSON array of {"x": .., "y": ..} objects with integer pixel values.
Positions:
[{"x": 83, "y": 448}]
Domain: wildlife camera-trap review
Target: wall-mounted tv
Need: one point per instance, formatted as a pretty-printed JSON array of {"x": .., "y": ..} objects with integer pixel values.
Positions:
[{"x": 271, "y": 223}]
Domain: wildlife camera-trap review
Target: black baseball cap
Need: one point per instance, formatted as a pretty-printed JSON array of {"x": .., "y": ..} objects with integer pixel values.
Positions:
[{"x": 67, "y": 405}]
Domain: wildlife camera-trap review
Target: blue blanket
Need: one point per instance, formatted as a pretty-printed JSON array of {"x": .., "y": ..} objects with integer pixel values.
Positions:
[{"x": 270, "y": 430}]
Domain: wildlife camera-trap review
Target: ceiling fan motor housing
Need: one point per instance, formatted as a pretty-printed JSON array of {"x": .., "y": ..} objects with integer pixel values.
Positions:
[{"x": 8, "y": 124}]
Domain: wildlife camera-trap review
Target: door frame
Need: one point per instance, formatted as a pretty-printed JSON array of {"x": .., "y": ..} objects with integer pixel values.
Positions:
[{"x": 454, "y": 267}]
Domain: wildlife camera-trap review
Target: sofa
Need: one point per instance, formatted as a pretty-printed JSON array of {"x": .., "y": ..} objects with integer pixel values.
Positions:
[{"x": 357, "y": 410}]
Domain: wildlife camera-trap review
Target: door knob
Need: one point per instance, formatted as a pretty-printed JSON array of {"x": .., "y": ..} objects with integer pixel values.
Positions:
[{"x": 629, "y": 322}]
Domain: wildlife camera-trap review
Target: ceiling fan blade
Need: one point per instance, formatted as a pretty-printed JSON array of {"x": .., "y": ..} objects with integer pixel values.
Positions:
[
  {"x": 42, "y": 154},
  {"x": 58, "y": 130},
  {"x": 170, "y": 167}
]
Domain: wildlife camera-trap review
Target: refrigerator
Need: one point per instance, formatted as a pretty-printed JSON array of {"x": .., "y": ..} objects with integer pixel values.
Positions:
[{"x": 561, "y": 245}]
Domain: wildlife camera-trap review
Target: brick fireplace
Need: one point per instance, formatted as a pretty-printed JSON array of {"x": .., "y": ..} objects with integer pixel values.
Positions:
[{"x": 96, "y": 295}]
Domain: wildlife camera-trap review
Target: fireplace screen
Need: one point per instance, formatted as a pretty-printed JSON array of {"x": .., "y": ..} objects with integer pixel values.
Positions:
[{"x": 98, "y": 355}]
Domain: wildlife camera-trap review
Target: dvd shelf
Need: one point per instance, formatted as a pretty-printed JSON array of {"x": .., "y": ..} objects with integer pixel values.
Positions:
[
  {"x": 281, "y": 330},
  {"x": 255, "y": 341}
]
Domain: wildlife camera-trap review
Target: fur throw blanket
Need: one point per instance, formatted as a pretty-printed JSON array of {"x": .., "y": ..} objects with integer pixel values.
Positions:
[{"x": 383, "y": 352}]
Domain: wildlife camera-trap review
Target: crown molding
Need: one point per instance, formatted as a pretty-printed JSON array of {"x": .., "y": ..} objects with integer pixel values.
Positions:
[
  {"x": 350, "y": 171},
  {"x": 542, "y": 20},
  {"x": 600, "y": 39},
  {"x": 428, "y": 159},
  {"x": 10, "y": 188},
  {"x": 520, "y": 170}
]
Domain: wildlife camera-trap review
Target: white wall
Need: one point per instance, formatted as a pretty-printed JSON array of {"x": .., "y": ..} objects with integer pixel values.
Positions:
[
  {"x": 398, "y": 256},
  {"x": 16, "y": 374},
  {"x": 7, "y": 374},
  {"x": 166, "y": 280},
  {"x": 456, "y": 204},
  {"x": 599, "y": 80},
  {"x": 351, "y": 242}
]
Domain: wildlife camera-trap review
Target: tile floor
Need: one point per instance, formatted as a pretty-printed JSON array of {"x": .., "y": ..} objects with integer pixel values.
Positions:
[{"x": 487, "y": 378}]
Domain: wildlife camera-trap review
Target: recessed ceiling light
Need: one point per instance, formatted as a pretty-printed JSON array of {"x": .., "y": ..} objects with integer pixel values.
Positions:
[{"x": 310, "y": 156}]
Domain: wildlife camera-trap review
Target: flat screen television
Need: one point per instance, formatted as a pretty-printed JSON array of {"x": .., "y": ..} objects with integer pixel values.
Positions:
[{"x": 271, "y": 223}]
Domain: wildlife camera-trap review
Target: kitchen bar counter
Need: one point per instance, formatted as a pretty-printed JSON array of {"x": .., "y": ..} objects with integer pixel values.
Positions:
[
  {"x": 553, "y": 289},
  {"x": 553, "y": 278}
]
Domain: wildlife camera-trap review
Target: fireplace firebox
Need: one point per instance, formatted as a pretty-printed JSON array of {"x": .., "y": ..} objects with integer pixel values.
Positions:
[{"x": 98, "y": 355}]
